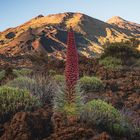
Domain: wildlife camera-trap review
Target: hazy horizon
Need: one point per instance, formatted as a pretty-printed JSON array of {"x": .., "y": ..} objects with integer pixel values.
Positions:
[{"x": 14, "y": 13}]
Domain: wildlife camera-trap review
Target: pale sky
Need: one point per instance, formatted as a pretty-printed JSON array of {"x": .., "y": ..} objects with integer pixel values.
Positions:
[{"x": 16, "y": 12}]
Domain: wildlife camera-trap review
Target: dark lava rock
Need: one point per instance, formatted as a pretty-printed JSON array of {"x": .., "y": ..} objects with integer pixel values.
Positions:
[
  {"x": 29, "y": 126},
  {"x": 10, "y": 35},
  {"x": 39, "y": 16},
  {"x": 1, "y": 130},
  {"x": 72, "y": 133}
]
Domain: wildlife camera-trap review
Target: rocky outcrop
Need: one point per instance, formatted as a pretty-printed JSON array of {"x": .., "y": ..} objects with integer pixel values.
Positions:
[{"x": 28, "y": 125}]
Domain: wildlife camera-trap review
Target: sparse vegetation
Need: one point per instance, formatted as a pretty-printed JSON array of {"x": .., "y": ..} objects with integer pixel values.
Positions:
[
  {"x": 101, "y": 114},
  {"x": 111, "y": 62},
  {"x": 38, "y": 85},
  {"x": 133, "y": 42},
  {"x": 59, "y": 78},
  {"x": 52, "y": 72},
  {"x": 2, "y": 74},
  {"x": 22, "y": 83},
  {"x": 22, "y": 72},
  {"x": 121, "y": 51},
  {"x": 118, "y": 55},
  {"x": 14, "y": 99},
  {"x": 90, "y": 84}
]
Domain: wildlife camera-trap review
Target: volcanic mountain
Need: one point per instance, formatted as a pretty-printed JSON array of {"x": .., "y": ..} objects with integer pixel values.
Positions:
[
  {"x": 124, "y": 24},
  {"x": 48, "y": 34}
]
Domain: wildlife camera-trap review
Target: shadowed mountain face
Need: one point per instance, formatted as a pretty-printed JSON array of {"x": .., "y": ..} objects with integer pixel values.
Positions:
[{"x": 48, "y": 34}]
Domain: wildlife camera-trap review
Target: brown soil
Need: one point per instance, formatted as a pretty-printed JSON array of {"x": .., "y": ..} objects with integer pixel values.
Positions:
[{"x": 28, "y": 125}]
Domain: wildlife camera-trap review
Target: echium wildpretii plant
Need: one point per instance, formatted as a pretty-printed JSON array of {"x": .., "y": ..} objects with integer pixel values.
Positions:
[
  {"x": 71, "y": 69},
  {"x": 69, "y": 100}
]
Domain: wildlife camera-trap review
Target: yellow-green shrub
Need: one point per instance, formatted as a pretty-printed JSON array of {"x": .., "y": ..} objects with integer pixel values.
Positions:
[
  {"x": 52, "y": 72},
  {"x": 103, "y": 115},
  {"x": 2, "y": 74},
  {"x": 100, "y": 112},
  {"x": 111, "y": 62},
  {"x": 59, "y": 78},
  {"x": 22, "y": 83},
  {"x": 90, "y": 83},
  {"x": 14, "y": 99},
  {"x": 22, "y": 72},
  {"x": 40, "y": 86}
]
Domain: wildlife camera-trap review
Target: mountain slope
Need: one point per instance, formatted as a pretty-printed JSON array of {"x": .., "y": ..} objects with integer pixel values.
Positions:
[
  {"x": 48, "y": 34},
  {"x": 124, "y": 24}
]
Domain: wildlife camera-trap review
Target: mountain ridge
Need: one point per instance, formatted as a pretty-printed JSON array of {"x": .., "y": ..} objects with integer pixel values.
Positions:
[
  {"x": 50, "y": 33},
  {"x": 122, "y": 23}
]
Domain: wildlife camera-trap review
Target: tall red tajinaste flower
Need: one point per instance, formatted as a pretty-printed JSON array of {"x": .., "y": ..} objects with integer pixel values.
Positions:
[{"x": 71, "y": 69}]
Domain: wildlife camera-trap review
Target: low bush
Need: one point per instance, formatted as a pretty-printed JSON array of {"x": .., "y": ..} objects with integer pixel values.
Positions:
[
  {"x": 130, "y": 121},
  {"x": 52, "y": 72},
  {"x": 125, "y": 51},
  {"x": 40, "y": 86},
  {"x": 111, "y": 62},
  {"x": 105, "y": 116},
  {"x": 121, "y": 50},
  {"x": 100, "y": 113},
  {"x": 14, "y": 99},
  {"x": 22, "y": 82},
  {"x": 59, "y": 78},
  {"x": 2, "y": 74},
  {"x": 90, "y": 84},
  {"x": 22, "y": 72}
]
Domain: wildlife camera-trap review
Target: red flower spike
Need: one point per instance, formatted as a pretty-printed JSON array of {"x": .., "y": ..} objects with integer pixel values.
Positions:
[{"x": 71, "y": 69}]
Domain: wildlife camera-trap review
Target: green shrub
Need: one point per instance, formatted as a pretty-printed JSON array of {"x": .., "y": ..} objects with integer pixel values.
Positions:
[
  {"x": 52, "y": 72},
  {"x": 111, "y": 62},
  {"x": 105, "y": 116},
  {"x": 22, "y": 83},
  {"x": 121, "y": 50},
  {"x": 22, "y": 72},
  {"x": 100, "y": 112},
  {"x": 62, "y": 104},
  {"x": 124, "y": 51},
  {"x": 14, "y": 99},
  {"x": 2, "y": 74},
  {"x": 38, "y": 85},
  {"x": 121, "y": 130},
  {"x": 59, "y": 78},
  {"x": 90, "y": 83}
]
